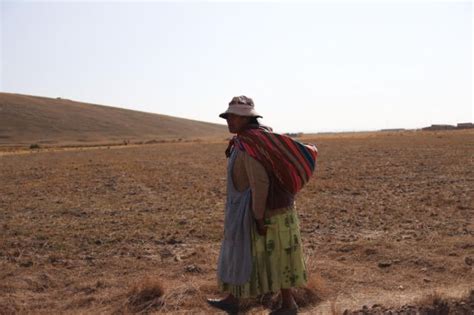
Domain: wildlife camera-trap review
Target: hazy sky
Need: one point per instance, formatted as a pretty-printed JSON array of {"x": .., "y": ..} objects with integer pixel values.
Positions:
[{"x": 309, "y": 66}]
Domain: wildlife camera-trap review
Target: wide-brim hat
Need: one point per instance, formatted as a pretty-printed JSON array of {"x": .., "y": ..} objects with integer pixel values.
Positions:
[{"x": 242, "y": 106}]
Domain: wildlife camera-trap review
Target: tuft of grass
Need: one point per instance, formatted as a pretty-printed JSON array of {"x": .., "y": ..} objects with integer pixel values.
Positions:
[
  {"x": 313, "y": 293},
  {"x": 430, "y": 299},
  {"x": 145, "y": 295}
]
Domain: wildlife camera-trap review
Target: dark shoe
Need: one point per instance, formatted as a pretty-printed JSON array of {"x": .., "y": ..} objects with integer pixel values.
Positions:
[
  {"x": 230, "y": 308},
  {"x": 285, "y": 311}
]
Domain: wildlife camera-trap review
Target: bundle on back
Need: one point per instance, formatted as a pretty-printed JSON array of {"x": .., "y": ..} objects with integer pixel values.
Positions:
[{"x": 291, "y": 162}]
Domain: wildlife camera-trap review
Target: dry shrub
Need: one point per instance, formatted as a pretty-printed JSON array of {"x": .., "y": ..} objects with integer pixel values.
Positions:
[
  {"x": 145, "y": 296},
  {"x": 429, "y": 299},
  {"x": 313, "y": 293},
  {"x": 434, "y": 303},
  {"x": 184, "y": 295}
]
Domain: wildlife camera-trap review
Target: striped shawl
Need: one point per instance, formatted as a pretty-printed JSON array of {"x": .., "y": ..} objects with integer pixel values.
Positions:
[{"x": 289, "y": 162}]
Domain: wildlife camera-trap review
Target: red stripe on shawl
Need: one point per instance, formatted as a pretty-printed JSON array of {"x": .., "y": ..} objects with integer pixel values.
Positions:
[
  {"x": 247, "y": 141},
  {"x": 297, "y": 181},
  {"x": 249, "y": 150},
  {"x": 263, "y": 138},
  {"x": 289, "y": 150},
  {"x": 258, "y": 136},
  {"x": 266, "y": 143},
  {"x": 296, "y": 152}
]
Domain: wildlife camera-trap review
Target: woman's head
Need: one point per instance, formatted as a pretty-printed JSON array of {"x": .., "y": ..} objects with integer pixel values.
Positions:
[
  {"x": 240, "y": 114},
  {"x": 237, "y": 123}
]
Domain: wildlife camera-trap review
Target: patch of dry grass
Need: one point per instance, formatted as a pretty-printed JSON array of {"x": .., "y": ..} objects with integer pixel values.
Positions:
[
  {"x": 314, "y": 292},
  {"x": 145, "y": 296}
]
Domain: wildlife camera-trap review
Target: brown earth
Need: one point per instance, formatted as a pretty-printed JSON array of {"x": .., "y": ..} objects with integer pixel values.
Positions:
[
  {"x": 387, "y": 220},
  {"x": 430, "y": 305},
  {"x": 27, "y": 120}
]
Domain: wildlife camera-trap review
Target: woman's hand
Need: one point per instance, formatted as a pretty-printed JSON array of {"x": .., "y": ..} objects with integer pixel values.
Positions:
[{"x": 261, "y": 228}]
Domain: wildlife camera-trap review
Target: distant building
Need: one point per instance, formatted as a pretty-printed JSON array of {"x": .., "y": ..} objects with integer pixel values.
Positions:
[
  {"x": 439, "y": 127},
  {"x": 465, "y": 126},
  {"x": 450, "y": 127},
  {"x": 294, "y": 135}
]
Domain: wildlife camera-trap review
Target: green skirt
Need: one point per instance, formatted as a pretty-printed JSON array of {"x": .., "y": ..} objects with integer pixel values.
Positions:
[{"x": 278, "y": 261}]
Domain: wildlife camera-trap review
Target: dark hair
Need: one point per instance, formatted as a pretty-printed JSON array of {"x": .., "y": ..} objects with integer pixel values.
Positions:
[{"x": 254, "y": 121}]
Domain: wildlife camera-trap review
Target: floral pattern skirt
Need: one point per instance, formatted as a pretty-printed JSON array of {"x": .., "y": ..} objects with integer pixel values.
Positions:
[{"x": 277, "y": 258}]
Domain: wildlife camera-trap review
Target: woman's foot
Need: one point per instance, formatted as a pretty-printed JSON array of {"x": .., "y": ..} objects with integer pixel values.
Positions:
[
  {"x": 229, "y": 304},
  {"x": 285, "y": 311}
]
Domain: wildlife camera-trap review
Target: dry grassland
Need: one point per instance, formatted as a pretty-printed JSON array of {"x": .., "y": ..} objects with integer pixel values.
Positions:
[{"x": 388, "y": 218}]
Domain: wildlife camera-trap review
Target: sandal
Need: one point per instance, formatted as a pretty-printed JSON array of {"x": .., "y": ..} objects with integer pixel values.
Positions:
[
  {"x": 285, "y": 311},
  {"x": 230, "y": 308}
]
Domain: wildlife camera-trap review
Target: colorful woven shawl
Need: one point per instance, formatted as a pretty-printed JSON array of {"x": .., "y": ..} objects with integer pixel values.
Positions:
[{"x": 290, "y": 162}]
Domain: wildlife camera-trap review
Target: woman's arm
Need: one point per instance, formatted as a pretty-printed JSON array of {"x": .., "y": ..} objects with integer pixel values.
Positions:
[{"x": 259, "y": 183}]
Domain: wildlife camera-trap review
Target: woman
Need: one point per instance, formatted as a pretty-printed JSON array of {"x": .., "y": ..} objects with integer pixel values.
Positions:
[{"x": 261, "y": 251}]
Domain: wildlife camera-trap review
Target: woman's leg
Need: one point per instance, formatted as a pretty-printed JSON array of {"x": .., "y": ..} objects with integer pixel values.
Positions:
[
  {"x": 287, "y": 300},
  {"x": 288, "y": 304}
]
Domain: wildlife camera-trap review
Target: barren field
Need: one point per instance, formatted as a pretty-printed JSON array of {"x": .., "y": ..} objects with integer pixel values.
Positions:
[{"x": 387, "y": 219}]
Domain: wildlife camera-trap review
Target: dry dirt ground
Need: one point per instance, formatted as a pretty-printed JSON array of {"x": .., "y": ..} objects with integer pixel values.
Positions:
[{"x": 387, "y": 219}]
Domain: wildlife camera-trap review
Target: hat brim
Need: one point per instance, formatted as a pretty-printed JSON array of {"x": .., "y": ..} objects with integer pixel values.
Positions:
[{"x": 240, "y": 112}]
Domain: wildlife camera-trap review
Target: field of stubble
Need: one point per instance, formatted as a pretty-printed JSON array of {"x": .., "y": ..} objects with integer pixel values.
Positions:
[{"x": 388, "y": 218}]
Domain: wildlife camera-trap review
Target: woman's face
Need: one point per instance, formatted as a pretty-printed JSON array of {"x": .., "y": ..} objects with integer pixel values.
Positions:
[{"x": 237, "y": 123}]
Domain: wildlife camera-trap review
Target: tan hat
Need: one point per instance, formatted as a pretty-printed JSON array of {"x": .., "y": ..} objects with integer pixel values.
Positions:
[{"x": 242, "y": 106}]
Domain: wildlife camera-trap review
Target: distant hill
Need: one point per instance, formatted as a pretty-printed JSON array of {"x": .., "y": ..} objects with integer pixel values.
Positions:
[{"x": 32, "y": 119}]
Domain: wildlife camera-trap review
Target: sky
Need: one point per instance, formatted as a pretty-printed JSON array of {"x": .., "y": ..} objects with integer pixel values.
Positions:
[{"x": 309, "y": 66}]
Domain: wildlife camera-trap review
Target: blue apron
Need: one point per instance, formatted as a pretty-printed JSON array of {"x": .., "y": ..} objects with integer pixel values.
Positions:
[{"x": 235, "y": 258}]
